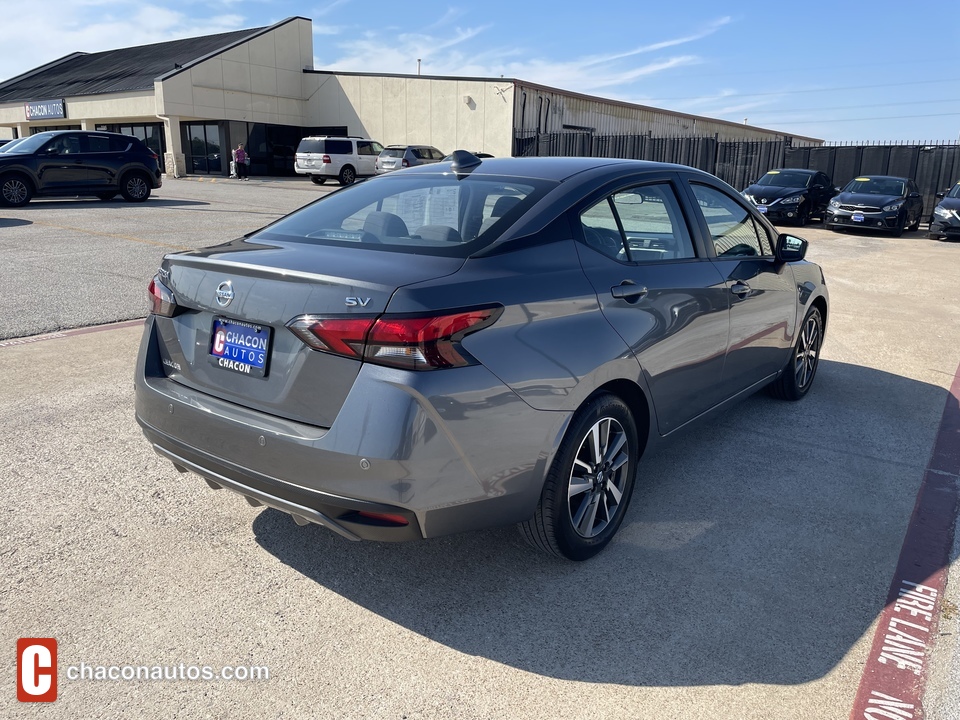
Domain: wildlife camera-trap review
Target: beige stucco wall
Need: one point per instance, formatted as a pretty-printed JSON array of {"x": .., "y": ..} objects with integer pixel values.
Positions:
[
  {"x": 258, "y": 81},
  {"x": 450, "y": 114}
]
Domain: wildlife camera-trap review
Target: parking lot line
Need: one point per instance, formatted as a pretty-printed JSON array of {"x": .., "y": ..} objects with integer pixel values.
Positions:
[{"x": 895, "y": 674}]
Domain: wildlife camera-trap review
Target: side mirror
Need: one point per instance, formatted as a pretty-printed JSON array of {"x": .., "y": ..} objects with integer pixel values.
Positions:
[
  {"x": 914, "y": 195},
  {"x": 940, "y": 195},
  {"x": 838, "y": 190},
  {"x": 790, "y": 248}
]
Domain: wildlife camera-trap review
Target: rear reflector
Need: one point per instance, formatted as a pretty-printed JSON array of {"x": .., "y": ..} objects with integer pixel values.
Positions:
[
  {"x": 419, "y": 342},
  {"x": 386, "y": 518}
]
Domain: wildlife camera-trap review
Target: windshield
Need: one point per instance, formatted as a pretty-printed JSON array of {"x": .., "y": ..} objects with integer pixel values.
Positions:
[
  {"x": 955, "y": 193},
  {"x": 426, "y": 214},
  {"x": 875, "y": 186},
  {"x": 6, "y": 147},
  {"x": 784, "y": 178},
  {"x": 29, "y": 144}
]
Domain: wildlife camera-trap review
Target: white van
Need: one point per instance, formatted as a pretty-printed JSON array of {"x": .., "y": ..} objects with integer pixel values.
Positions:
[{"x": 341, "y": 158}]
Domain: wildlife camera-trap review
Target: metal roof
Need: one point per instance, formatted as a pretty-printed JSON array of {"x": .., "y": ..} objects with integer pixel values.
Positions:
[{"x": 115, "y": 70}]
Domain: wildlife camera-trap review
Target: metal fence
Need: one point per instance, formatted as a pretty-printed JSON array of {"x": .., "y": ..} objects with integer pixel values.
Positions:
[{"x": 739, "y": 162}]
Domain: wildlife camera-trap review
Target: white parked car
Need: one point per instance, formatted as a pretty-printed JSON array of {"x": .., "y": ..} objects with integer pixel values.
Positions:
[{"x": 337, "y": 158}]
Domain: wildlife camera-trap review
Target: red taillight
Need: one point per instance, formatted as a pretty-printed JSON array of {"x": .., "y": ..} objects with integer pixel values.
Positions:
[
  {"x": 422, "y": 342},
  {"x": 162, "y": 301},
  {"x": 405, "y": 163},
  {"x": 326, "y": 159}
]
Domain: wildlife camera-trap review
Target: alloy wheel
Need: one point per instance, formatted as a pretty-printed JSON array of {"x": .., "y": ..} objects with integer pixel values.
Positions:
[
  {"x": 15, "y": 191},
  {"x": 598, "y": 478},
  {"x": 808, "y": 353}
]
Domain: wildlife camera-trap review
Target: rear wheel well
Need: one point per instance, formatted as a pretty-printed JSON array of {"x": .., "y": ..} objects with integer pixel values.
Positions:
[{"x": 636, "y": 400}]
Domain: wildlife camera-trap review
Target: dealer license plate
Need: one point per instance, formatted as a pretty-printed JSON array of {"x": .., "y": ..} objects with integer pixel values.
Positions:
[
  {"x": 240, "y": 347},
  {"x": 857, "y": 217}
]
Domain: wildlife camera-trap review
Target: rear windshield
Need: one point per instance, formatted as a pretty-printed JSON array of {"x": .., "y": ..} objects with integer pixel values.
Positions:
[
  {"x": 309, "y": 145},
  {"x": 393, "y": 152},
  {"x": 424, "y": 214},
  {"x": 782, "y": 178}
]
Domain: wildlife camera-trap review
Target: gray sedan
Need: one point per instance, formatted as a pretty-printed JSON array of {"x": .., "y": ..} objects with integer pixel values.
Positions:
[{"x": 474, "y": 343}]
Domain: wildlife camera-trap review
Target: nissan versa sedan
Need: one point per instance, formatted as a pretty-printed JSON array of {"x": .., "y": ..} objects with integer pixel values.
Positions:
[
  {"x": 945, "y": 224},
  {"x": 791, "y": 195},
  {"x": 877, "y": 202},
  {"x": 474, "y": 343}
]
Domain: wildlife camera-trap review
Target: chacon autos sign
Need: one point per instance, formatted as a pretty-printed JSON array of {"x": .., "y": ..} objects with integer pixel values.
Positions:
[{"x": 45, "y": 110}]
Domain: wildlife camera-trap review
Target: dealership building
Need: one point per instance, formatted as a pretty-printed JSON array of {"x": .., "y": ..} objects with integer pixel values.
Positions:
[{"x": 191, "y": 100}]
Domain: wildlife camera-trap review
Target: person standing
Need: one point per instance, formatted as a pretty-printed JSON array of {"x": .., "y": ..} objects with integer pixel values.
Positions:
[{"x": 240, "y": 160}]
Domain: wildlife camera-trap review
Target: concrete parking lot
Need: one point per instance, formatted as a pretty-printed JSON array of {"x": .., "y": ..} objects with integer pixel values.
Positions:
[{"x": 746, "y": 582}]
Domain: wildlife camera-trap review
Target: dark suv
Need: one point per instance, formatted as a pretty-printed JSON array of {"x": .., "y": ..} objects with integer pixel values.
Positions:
[{"x": 75, "y": 162}]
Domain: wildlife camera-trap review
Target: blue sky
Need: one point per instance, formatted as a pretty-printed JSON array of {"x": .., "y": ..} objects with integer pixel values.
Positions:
[{"x": 871, "y": 71}]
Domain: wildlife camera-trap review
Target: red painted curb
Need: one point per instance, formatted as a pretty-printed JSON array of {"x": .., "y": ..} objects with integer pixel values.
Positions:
[
  {"x": 16, "y": 342},
  {"x": 895, "y": 674}
]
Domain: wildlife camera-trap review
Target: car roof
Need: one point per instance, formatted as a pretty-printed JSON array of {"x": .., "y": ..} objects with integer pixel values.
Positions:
[
  {"x": 553, "y": 168},
  {"x": 883, "y": 177}
]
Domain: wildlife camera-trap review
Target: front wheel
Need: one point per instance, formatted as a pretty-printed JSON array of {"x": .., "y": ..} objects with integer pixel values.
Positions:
[
  {"x": 135, "y": 187},
  {"x": 589, "y": 485},
  {"x": 317, "y": 180},
  {"x": 797, "y": 377},
  {"x": 15, "y": 190},
  {"x": 348, "y": 175},
  {"x": 916, "y": 224}
]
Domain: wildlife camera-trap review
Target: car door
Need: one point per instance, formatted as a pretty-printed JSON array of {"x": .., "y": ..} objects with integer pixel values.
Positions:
[
  {"x": 821, "y": 193},
  {"x": 61, "y": 164},
  {"x": 655, "y": 287},
  {"x": 916, "y": 203},
  {"x": 762, "y": 291},
  {"x": 105, "y": 156},
  {"x": 367, "y": 152}
]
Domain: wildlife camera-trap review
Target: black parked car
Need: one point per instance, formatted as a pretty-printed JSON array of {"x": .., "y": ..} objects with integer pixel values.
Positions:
[
  {"x": 791, "y": 195},
  {"x": 945, "y": 224},
  {"x": 877, "y": 202},
  {"x": 75, "y": 162}
]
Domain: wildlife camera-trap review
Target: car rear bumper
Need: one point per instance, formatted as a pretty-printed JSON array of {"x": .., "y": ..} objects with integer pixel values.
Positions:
[{"x": 446, "y": 459}]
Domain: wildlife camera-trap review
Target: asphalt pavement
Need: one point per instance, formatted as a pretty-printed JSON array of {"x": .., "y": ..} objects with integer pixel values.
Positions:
[{"x": 746, "y": 582}]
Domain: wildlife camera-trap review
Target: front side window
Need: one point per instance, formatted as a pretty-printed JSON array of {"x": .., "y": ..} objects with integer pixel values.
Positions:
[
  {"x": 734, "y": 230},
  {"x": 639, "y": 224}
]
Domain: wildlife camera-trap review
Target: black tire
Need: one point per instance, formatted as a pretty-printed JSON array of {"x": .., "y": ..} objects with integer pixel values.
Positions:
[
  {"x": 797, "y": 377},
  {"x": 15, "y": 190},
  {"x": 347, "y": 175},
  {"x": 802, "y": 218},
  {"x": 577, "y": 524},
  {"x": 317, "y": 180},
  {"x": 916, "y": 224},
  {"x": 135, "y": 187},
  {"x": 106, "y": 196}
]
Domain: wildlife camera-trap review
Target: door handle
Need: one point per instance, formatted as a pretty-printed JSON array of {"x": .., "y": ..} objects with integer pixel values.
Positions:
[
  {"x": 740, "y": 289},
  {"x": 629, "y": 291}
]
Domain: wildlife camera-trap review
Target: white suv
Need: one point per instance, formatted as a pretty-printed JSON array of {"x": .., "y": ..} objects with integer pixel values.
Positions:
[{"x": 341, "y": 158}]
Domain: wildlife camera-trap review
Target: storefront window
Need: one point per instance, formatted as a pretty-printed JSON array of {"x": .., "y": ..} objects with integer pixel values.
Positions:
[{"x": 203, "y": 148}]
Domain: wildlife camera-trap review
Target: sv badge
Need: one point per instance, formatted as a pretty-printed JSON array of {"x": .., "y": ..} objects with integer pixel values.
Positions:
[{"x": 357, "y": 302}]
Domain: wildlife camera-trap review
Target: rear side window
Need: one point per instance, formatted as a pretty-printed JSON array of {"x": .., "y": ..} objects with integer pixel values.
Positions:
[
  {"x": 98, "y": 143},
  {"x": 365, "y": 147},
  {"x": 339, "y": 147},
  {"x": 639, "y": 224}
]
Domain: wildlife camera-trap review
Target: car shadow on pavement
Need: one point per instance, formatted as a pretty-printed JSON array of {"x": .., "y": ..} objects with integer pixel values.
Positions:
[
  {"x": 84, "y": 203},
  {"x": 14, "y": 222},
  {"x": 759, "y": 548}
]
